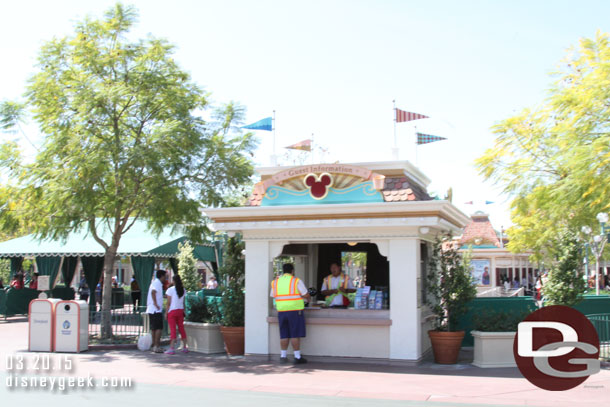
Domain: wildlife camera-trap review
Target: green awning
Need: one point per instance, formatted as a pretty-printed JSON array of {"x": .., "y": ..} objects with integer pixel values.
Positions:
[
  {"x": 170, "y": 249},
  {"x": 138, "y": 241}
]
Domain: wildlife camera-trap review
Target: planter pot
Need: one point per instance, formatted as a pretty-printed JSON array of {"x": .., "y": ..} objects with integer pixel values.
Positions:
[
  {"x": 204, "y": 338},
  {"x": 446, "y": 346},
  {"x": 234, "y": 339},
  {"x": 493, "y": 349}
]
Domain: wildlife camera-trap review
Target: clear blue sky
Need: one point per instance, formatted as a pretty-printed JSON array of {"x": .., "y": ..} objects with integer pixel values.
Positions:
[{"x": 332, "y": 68}]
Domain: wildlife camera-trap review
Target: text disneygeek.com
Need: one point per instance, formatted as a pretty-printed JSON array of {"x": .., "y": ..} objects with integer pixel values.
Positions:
[
  {"x": 43, "y": 372},
  {"x": 66, "y": 383}
]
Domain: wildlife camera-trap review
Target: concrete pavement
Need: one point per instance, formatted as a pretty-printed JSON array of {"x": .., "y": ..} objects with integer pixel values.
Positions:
[{"x": 235, "y": 381}]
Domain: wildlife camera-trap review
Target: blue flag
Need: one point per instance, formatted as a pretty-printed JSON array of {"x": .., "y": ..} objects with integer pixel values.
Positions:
[
  {"x": 264, "y": 124},
  {"x": 488, "y": 202}
]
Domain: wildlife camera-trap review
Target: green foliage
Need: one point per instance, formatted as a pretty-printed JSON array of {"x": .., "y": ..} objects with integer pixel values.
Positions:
[
  {"x": 566, "y": 283},
  {"x": 498, "y": 321},
  {"x": 199, "y": 310},
  {"x": 554, "y": 160},
  {"x": 187, "y": 267},
  {"x": 358, "y": 258},
  {"x": 449, "y": 284},
  {"x": 11, "y": 114},
  {"x": 123, "y": 140},
  {"x": 5, "y": 271},
  {"x": 233, "y": 272}
]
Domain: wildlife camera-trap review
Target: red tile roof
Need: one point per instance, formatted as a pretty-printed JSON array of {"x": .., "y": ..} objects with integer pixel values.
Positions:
[
  {"x": 480, "y": 228},
  {"x": 396, "y": 189}
]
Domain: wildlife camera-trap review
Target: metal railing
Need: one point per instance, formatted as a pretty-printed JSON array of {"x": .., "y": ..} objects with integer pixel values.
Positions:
[
  {"x": 601, "y": 322},
  {"x": 126, "y": 322}
]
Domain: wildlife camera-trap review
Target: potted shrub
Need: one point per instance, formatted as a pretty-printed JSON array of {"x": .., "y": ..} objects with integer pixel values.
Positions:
[
  {"x": 233, "y": 299},
  {"x": 494, "y": 333},
  {"x": 202, "y": 326},
  {"x": 449, "y": 289}
]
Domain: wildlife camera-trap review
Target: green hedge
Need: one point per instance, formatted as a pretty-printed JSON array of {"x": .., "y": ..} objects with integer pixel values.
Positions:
[
  {"x": 591, "y": 304},
  {"x": 516, "y": 305},
  {"x": 18, "y": 301}
]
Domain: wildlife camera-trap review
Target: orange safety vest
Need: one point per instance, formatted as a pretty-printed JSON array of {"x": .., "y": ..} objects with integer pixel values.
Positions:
[
  {"x": 286, "y": 293},
  {"x": 342, "y": 283}
]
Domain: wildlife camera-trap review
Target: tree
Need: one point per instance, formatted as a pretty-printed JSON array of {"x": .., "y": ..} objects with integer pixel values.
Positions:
[
  {"x": 123, "y": 140},
  {"x": 187, "y": 267},
  {"x": 554, "y": 160},
  {"x": 566, "y": 283}
]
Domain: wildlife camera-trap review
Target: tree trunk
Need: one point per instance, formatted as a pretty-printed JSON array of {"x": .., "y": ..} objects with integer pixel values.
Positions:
[{"x": 106, "y": 323}]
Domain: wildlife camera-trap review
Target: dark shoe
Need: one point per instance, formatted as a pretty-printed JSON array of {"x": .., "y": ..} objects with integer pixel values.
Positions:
[
  {"x": 283, "y": 360},
  {"x": 300, "y": 361}
]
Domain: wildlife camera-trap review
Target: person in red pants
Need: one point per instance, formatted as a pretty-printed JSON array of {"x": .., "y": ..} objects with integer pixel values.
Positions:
[{"x": 175, "y": 314}]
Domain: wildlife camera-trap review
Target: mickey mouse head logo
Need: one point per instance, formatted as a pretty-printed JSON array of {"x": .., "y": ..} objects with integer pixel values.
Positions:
[{"x": 318, "y": 185}]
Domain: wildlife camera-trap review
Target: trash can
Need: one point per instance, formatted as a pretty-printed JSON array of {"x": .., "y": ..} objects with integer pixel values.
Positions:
[
  {"x": 71, "y": 326},
  {"x": 41, "y": 320},
  {"x": 117, "y": 298}
]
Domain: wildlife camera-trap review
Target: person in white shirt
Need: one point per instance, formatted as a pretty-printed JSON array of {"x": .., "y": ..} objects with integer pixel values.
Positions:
[
  {"x": 212, "y": 284},
  {"x": 175, "y": 314},
  {"x": 154, "y": 308},
  {"x": 335, "y": 286}
]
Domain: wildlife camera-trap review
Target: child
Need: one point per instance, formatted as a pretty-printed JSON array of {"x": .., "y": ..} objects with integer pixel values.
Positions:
[{"x": 175, "y": 314}]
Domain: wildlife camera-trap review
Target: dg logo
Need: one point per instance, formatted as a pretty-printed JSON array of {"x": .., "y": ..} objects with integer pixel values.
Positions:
[{"x": 556, "y": 348}]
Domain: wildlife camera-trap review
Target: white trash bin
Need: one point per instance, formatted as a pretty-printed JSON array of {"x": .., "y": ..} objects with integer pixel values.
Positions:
[
  {"x": 41, "y": 320},
  {"x": 71, "y": 326}
]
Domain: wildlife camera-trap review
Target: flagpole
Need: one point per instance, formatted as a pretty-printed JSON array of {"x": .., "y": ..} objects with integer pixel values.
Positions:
[
  {"x": 415, "y": 128},
  {"x": 395, "y": 149},
  {"x": 274, "y": 156},
  {"x": 311, "y": 151}
]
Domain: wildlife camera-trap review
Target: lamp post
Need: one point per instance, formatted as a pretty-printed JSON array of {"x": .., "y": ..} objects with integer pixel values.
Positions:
[{"x": 597, "y": 243}]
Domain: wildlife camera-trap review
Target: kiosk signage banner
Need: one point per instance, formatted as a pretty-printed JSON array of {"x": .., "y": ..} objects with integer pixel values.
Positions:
[{"x": 480, "y": 271}]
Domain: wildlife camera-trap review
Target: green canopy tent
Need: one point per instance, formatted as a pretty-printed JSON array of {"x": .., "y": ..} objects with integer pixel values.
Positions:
[{"x": 138, "y": 243}]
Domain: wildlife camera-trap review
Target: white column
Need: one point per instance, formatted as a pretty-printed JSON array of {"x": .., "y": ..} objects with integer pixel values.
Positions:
[
  {"x": 258, "y": 279},
  {"x": 405, "y": 337}
]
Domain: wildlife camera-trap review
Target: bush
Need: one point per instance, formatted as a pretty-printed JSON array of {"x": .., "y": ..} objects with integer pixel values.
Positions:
[
  {"x": 201, "y": 310},
  {"x": 566, "y": 284},
  {"x": 498, "y": 321},
  {"x": 449, "y": 284},
  {"x": 187, "y": 267},
  {"x": 5, "y": 271},
  {"x": 233, "y": 271}
]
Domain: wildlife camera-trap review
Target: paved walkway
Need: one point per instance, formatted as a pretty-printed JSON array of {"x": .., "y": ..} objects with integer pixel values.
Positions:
[{"x": 234, "y": 381}]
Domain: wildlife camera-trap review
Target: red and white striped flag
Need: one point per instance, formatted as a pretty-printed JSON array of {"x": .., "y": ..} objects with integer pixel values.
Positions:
[
  {"x": 402, "y": 116},
  {"x": 304, "y": 145}
]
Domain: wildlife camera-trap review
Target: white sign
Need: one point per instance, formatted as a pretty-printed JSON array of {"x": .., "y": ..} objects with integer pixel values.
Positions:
[
  {"x": 43, "y": 283},
  {"x": 480, "y": 270}
]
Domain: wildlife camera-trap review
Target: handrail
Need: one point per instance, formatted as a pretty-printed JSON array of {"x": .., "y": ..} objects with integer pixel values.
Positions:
[{"x": 601, "y": 322}]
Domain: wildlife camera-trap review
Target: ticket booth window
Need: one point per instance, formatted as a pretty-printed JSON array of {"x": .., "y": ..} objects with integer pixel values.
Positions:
[{"x": 376, "y": 266}]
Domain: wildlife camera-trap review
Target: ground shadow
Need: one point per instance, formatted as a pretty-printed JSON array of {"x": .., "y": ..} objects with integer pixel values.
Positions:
[{"x": 223, "y": 363}]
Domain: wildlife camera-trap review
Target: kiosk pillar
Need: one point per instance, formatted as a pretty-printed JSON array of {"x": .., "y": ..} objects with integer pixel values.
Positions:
[
  {"x": 405, "y": 331},
  {"x": 258, "y": 280}
]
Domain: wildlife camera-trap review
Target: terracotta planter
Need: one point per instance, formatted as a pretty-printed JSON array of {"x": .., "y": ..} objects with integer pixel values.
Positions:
[
  {"x": 446, "y": 346},
  {"x": 234, "y": 339}
]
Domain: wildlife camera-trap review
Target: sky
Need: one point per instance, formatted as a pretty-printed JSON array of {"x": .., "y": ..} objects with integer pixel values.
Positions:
[{"x": 332, "y": 69}]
